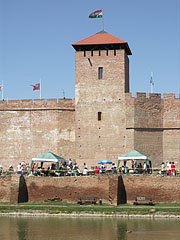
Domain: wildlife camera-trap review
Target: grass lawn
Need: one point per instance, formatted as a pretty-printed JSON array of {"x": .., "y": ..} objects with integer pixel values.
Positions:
[{"x": 105, "y": 209}]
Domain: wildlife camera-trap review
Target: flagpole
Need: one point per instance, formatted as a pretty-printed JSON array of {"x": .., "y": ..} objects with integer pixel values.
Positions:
[
  {"x": 152, "y": 83},
  {"x": 2, "y": 90},
  {"x": 40, "y": 88},
  {"x": 102, "y": 19}
]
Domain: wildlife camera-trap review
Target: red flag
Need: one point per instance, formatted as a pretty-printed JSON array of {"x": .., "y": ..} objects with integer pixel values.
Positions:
[{"x": 36, "y": 86}]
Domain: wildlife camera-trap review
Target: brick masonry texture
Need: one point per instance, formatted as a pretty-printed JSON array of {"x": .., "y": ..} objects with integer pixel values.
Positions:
[
  {"x": 111, "y": 189},
  {"x": 162, "y": 189},
  {"x": 70, "y": 127},
  {"x": 28, "y": 130}
]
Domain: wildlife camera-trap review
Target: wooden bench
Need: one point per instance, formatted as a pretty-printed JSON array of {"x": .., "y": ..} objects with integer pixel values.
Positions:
[
  {"x": 87, "y": 200},
  {"x": 143, "y": 201}
]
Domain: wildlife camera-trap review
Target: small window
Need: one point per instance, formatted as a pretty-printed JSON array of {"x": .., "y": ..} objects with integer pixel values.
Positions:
[
  {"x": 100, "y": 73},
  {"x": 99, "y": 116}
]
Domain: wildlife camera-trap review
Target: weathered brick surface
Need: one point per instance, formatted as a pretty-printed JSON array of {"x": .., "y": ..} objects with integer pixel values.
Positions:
[
  {"x": 103, "y": 139},
  {"x": 28, "y": 130},
  {"x": 5, "y": 183},
  {"x": 155, "y": 124},
  {"x": 9, "y": 188},
  {"x": 162, "y": 189},
  {"x": 111, "y": 189},
  {"x": 70, "y": 188}
]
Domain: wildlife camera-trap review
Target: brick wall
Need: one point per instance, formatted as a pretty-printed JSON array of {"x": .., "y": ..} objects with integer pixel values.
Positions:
[
  {"x": 103, "y": 139},
  {"x": 28, "y": 130},
  {"x": 111, "y": 189},
  {"x": 68, "y": 189},
  {"x": 171, "y": 125},
  {"x": 153, "y": 126},
  {"x": 5, "y": 183},
  {"x": 9, "y": 188},
  {"x": 162, "y": 189}
]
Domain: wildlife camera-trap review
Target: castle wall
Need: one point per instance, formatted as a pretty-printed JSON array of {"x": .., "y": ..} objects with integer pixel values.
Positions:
[
  {"x": 171, "y": 125},
  {"x": 111, "y": 189},
  {"x": 162, "y": 189},
  {"x": 156, "y": 125},
  {"x": 28, "y": 129}
]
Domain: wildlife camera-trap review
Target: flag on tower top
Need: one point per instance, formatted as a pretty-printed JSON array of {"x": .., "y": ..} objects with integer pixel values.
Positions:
[
  {"x": 1, "y": 87},
  {"x": 96, "y": 14},
  {"x": 36, "y": 86}
]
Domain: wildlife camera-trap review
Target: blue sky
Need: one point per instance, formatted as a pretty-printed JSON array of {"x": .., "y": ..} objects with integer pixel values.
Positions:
[{"x": 36, "y": 38}]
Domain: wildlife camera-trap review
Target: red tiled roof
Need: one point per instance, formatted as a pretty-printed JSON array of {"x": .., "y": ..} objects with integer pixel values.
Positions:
[{"x": 100, "y": 38}]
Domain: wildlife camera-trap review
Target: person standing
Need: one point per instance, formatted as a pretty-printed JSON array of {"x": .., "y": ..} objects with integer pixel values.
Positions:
[
  {"x": 85, "y": 171},
  {"x": 170, "y": 171},
  {"x": 173, "y": 171}
]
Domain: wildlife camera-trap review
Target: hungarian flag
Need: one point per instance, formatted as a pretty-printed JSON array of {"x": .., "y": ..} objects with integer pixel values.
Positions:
[
  {"x": 96, "y": 14},
  {"x": 36, "y": 86}
]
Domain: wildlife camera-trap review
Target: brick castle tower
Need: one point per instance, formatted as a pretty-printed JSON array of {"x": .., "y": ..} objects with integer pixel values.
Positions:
[{"x": 101, "y": 81}]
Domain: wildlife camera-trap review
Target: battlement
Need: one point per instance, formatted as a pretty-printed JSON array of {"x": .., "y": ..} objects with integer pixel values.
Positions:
[
  {"x": 28, "y": 104},
  {"x": 152, "y": 96},
  {"x": 152, "y": 110}
]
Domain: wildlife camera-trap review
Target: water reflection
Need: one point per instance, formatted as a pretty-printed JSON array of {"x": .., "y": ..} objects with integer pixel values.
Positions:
[
  {"x": 22, "y": 226},
  {"x": 60, "y": 228},
  {"x": 122, "y": 230}
]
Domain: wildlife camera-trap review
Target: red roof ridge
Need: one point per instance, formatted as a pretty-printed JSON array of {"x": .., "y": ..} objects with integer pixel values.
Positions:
[{"x": 100, "y": 38}]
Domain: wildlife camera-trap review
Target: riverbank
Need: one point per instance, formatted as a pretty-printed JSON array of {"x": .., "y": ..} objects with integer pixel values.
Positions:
[{"x": 160, "y": 210}]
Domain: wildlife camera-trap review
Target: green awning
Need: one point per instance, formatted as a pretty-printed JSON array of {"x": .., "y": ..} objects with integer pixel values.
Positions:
[
  {"x": 48, "y": 157},
  {"x": 133, "y": 155}
]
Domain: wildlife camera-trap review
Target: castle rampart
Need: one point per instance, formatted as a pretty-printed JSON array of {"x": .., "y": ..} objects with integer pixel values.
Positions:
[
  {"x": 32, "y": 127},
  {"x": 112, "y": 189},
  {"x": 29, "y": 104},
  {"x": 154, "y": 121}
]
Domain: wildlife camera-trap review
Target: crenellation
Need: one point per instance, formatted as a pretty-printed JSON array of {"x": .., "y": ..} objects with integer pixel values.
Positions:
[
  {"x": 39, "y": 102},
  {"x": 128, "y": 95},
  {"x": 3, "y": 103},
  {"x": 154, "y": 96},
  {"x": 26, "y": 103},
  {"x": 140, "y": 96},
  {"x": 13, "y": 103},
  {"x": 51, "y": 102},
  {"x": 168, "y": 96}
]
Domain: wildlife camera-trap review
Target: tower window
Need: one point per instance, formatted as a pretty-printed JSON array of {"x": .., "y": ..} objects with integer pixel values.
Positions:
[
  {"x": 99, "y": 116},
  {"x": 100, "y": 72}
]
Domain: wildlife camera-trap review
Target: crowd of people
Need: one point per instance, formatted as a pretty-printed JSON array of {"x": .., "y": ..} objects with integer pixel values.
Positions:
[
  {"x": 135, "y": 167},
  {"x": 168, "y": 169},
  {"x": 71, "y": 168}
]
